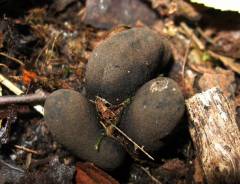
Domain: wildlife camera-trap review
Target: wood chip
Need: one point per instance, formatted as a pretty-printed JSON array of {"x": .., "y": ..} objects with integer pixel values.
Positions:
[{"x": 215, "y": 135}]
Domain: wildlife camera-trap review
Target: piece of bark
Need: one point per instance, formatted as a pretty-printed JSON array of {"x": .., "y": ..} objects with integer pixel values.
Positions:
[{"x": 215, "y": 135}]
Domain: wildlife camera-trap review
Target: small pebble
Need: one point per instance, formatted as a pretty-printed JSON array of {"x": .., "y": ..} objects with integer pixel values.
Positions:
[
  {"x": 73, "y": 122},
  {"x": 155, "y": 111},
  {"x": 124, "y": 62}
]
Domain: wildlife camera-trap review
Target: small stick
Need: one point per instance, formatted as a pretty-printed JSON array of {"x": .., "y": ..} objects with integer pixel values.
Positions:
[
  {"x": 12, "y": 58},
  {"x": 0, "y": 96},
  {"x": 12, "y": 87},
  {"x": 128, "y": 138},
  {"x": 191, "y": 34},
  {"x": 3, "y": 65},
  {"x": 186, "y": 58},
  {"x": 28, "y": 160},
  {"x": 208, "y": 39},
  {"x": 26, "y": 149},
  {"x": 11, "y": 166},
  {"x": 151, "y": 176},
  {"x": 30, "y": 98},
  {"x": 227, "y": 61}
]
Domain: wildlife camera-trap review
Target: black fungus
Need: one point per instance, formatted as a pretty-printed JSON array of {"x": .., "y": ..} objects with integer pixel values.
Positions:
[
  {"x": 154, "y": 112},
  {"x": 73, "y": 122},
  {"x": 124, "y": 62}
]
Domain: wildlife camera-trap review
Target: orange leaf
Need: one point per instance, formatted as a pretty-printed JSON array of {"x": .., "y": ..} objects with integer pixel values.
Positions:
[{"x": 28, "y": 76}]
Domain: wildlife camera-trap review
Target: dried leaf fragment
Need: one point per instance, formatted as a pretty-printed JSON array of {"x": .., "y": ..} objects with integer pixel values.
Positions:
[
  {"x": 89, "y": 174},
  {"x": 221, "y": 78},
  {"x": 28, "y": 76},
  {"x": 227, "y": 61}
]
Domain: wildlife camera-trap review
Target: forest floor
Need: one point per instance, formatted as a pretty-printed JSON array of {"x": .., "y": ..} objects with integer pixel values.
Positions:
[{"x": 47, "y": 45}]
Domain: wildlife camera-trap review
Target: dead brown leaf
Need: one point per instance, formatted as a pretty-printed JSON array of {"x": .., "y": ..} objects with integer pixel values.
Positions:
[
  {"x": 104, "y": 111},
  {"x": 227, "y": 43},
  {"x": 89, "y": 174},
  {"x": 109, "y": 114},
  {"x": 177, "y": 8},
  {"x": 224, "y": 79},
  {"x": 227, "y": 61}
]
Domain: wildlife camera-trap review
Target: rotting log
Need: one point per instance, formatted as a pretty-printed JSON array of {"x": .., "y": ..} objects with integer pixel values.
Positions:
[{"x": 215, "y": 135}]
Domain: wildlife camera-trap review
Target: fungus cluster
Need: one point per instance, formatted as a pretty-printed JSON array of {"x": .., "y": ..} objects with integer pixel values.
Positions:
[{"x": 123, "y": 66}]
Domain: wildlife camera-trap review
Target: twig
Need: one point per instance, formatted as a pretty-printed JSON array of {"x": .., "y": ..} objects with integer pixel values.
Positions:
[
  {"x": 41, "y": 52},
  {"x": 150, "y": 175},
  {"x": 4, "y": 81},
  {"x": 30, "y": 98},
  {"x": 3, "y": 65},
  {"x": 0, "y": 95},
  {"x": 48, "y": 56},
  {"x": 186, "y": 58},
  {"x": 10, "y": 85},
  {"x": 191, "y": 34},
  {"x": 28, "y": 160},
  {"x": 227, "y": 61},
  {"x": 208, "y": 39},
  {"x": 12, "y": 58},
  {"x": 11, "y": 166},
  {"x": 26, "y": 149},
  {"x": 104, "y": 126},
  {"x": 128, "y": 138}
]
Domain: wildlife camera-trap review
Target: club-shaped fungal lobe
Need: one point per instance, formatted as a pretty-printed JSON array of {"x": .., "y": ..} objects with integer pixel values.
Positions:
[
  {"x": 73, "y": 122},
  {"x": 153, "y": 113},
  {"x": 124, "y": 62}
]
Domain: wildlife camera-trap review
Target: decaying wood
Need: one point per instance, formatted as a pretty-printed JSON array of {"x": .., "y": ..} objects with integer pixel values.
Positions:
[{"x": 215, "y": 135}]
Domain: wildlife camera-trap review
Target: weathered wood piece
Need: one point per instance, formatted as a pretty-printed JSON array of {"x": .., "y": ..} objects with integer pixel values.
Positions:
[{"x": 215, "y": 135}]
